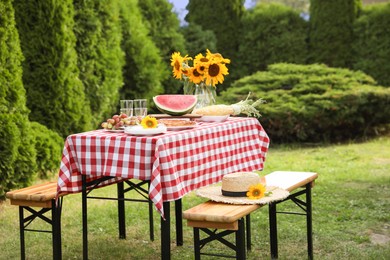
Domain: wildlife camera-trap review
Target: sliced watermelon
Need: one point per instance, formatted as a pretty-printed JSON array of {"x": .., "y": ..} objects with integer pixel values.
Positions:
[{"x": 175, "y": 105}]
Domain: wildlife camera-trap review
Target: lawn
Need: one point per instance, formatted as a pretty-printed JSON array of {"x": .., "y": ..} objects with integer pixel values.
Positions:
[{"x": 351, "y": 213}]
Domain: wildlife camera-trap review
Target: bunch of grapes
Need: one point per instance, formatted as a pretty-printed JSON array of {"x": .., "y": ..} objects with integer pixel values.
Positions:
[{"x": 118, "y": 122}]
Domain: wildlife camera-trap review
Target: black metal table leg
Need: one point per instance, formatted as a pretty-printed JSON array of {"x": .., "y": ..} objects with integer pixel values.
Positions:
[
  {"x": 121, "y": 211},
  {"x": 273, "y": 230},
  {"x": 166, "y": 232},
  {"x": 56, "y": 228},
  {"x": 179, "y": 222},
  {"x": 84, "y": 217}
]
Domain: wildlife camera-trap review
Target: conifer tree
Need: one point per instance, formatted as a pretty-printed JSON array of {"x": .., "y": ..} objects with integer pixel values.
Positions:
[
  {"x": 164, "y": 28},
  {"x": 17, "y": 153},
  {"x": 55, "y": 94},
  {"x": 224, "y": 19},
  {"x": 144, "y": 69},
  {"x": 100, "y": 58},
  {"x": 331, "y": 31}
]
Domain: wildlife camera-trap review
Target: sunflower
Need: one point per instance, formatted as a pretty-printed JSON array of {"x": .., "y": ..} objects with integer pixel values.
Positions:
[
  {"x": 215, "y": 73},
  {"x": 195, "y": 76},
  {"x": 216, "y": 57},
  {"x": 177, "y": 62},
  {"x": 256, "y": 192},
  {"x": 149, "y": 122}
]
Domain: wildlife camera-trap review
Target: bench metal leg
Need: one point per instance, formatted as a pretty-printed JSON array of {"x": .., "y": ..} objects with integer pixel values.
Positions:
[
  {"x": 248, "y": 232},
  {"x": 55, "y": 223},
  {"x": 273, "y": 230},
  {"x": 305, "y": 206},
  {"x": 309, "y": 222},
  {"x": 240, "y": 240},
  {"x": 21, "y": 228},
  {"x": 197, "y": 243}
]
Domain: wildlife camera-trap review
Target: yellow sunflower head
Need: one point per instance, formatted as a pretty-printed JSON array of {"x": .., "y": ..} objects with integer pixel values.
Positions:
[
  {"x": 216, "y": 57},
  {"x": 177, "y": 63},
  {"x": 256, "y": 192},
  {"x": 195, "y": 76},
  {"x": 149, "y": 122},
  {"x": 215, "y": 73}
]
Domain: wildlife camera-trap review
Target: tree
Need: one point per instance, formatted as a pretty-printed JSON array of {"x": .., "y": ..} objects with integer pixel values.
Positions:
[
  {"x": 100, "y": 58},
  {"x": 17, "y": 153},
  {"x": 55, "y": 94},
  {"x": 224, "y": 19},
  {"x": 144, "y": 69},
  {"x": 198, "y": 40},
  {"x": 271, "y": 33},
  {"x": 331, "y": 31},
  {"x": 164, "y": 27}
]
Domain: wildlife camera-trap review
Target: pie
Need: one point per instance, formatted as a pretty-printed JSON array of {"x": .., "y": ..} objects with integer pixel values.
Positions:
[{"x": 176, "y": 122}]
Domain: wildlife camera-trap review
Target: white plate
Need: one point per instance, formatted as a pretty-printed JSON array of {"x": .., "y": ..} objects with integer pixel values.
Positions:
[
  {"x": 176, "y": 128},
  {"x": 213, "y": 118},
  {"x": 114, "y": 131},
  {"x": 139, "y": 130}
]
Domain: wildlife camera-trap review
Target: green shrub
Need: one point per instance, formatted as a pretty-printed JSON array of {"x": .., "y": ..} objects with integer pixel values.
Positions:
[
  {"x": 372, "y": 41},
  {"x": 315, "y": 103},
  {"x": 17, "y": 153},
  {"x": 48, "y": 145}
]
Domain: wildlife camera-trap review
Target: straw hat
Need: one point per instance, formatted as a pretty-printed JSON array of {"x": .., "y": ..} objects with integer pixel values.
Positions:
[{"x": 236, "y": 185}]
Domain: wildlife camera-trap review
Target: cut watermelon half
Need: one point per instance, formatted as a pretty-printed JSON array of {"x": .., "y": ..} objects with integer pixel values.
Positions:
[{"x": 175, "y": 105}]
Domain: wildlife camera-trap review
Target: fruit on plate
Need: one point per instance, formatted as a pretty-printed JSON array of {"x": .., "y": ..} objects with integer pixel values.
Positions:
[
  {"x": 117, "y": 122},
  {"x": 175, "y": 105},
  {"x": 246, "y": 107}
]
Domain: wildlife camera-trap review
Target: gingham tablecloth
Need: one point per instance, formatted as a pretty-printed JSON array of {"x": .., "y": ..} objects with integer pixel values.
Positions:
[{"x": 176, "y": 162}]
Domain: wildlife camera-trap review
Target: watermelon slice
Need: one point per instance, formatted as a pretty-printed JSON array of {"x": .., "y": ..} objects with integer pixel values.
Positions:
[{"x": 175, "y": 105}]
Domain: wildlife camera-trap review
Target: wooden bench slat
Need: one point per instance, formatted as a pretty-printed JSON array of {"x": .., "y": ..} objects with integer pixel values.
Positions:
[
  {"x": 218, "y": 212},
  {"x": 39, "y": 192},
  {"x": 290, "y": 180}
]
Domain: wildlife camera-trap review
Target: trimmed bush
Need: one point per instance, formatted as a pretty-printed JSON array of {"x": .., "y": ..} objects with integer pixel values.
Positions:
[
  {"x": 372, "y": 42},
  {"x": 48, "y": 145},
  {"x": 315, "y": 103},
  {"x": 17, "y": 153}
]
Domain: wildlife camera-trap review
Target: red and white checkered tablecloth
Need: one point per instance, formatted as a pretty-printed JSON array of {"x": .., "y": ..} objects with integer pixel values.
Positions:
[{"x": 176, "y": 162}]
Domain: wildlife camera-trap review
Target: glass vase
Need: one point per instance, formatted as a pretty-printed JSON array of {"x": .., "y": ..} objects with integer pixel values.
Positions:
[{"x": 206, "y": 95}]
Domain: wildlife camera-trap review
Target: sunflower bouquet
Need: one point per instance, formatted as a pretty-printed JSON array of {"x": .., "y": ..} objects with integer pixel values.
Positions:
[{"x": 208, "y": 69}]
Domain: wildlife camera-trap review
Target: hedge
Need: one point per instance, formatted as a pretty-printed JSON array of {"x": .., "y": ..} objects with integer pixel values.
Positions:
[{"x": 315, "y": 103}]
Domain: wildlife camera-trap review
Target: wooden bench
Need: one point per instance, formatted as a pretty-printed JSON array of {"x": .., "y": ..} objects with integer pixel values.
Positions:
[
  {"x": 230, "y": 218},
  {"x": 39, "y": 196}
]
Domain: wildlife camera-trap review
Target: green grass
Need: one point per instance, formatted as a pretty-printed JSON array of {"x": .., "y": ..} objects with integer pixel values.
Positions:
[{"x": 351, "y": 207}]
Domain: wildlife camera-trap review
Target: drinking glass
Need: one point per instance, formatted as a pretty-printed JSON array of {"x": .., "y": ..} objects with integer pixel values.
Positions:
[
  {"x": 140, "y": 108},
  {"x": 126, "y": 107}
]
